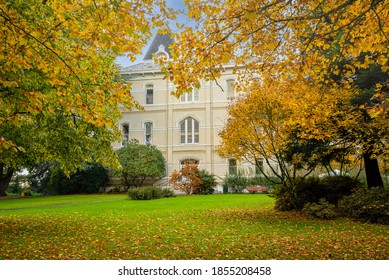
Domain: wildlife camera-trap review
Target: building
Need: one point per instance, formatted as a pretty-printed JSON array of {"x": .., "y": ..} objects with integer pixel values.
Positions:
[{"x": 185, "y": 128}]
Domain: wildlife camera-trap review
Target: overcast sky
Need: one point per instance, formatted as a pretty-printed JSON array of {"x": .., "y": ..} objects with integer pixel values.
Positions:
[{"x": 124, "y": 61}]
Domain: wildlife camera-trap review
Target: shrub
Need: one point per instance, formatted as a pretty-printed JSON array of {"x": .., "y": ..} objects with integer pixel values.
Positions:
[
  {"x": 235, "y": 183},
  {"x": 208, "y": 182},
  {"x": 369, "y": 205},
  {"x": 167, "y": 193},
  {"x": 336, "y": 187},
  {"x": 284, "y": 197},
  {"x": 89, "y": 179},
  {"x": 148, "y": 193},
  {"x": 86, "y": 180},
  {"x": 269, "y": 182},
  {"x": 295, "y": 195},
  {"x": 142, "y": 193},
  {"x": 323, "y": 209}
]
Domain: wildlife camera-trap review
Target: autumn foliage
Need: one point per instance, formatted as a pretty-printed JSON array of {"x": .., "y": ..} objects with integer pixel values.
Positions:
[
  {"x": 186, "y": 179},
  {"x": 59, "y": 85},
  {"x": 313, "y": 51}
]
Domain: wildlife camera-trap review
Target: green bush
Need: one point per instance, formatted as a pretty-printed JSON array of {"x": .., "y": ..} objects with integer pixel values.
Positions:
[
  {"x": 143, "y": 193},
  {"x": 283, "y": 194},
  {"x": 336, "y": 187},
  {"x": 86, "y": 180},
  {"x": 208, "y": 183},
  {"x": 311, "y": 190},
  {"x": 369, "y": 205},
  {"x": 148, "y": 193},
  {"x": 269, "y": 182},
  {"x": 235, "y": 183},
  {"x": 323, "y": 209},
  {"x": 168, "y": 193}
]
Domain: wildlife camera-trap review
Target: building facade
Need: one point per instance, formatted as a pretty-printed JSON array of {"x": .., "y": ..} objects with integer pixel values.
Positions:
[{"x": 185, "y": 128}]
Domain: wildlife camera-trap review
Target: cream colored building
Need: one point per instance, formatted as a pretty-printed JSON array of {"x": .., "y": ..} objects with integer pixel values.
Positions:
[{"x": 185, "y": 128}]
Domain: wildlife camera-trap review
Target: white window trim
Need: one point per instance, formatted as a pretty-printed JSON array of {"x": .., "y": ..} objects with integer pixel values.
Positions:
[
  {"x": 195, "y": 94},
  {"x": 151, "y": 132},
  {"x": 193, "y": 132},
  {"x": 147, "y": 87}
]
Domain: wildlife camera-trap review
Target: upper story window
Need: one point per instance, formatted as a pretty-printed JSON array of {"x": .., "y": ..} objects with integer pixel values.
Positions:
[
  {"x": 232, "y": 167},
  {"x": 125, "y": 133},
  {"x": 190, "y": 96},
  {"x": 149, "y": 94},
  {"x": 230, "y": 89},
  {"x": 148, "y": 133},
  {"x": 189, "y": 131}
]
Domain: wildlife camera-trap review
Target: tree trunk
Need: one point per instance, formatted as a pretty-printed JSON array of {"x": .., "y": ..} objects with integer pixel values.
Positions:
[
  {"x": 5, "y": 178},
  {"x": 373, "y": 175}
]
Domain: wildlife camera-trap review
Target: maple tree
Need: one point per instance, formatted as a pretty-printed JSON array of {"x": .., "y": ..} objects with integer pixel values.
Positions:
[
  {"x": 186, "y": 179},
  {"x": 291, "y": 40},
  {"x": 59, "y": 88},
  {"x": 265, "y": 124}
]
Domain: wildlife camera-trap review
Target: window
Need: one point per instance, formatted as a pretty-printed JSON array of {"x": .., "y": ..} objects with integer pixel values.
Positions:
[
  {"x": 188, "y": 160},
  {"x": 126, "y": 134},
  {"x": 259, "y": 167},
  {"x": 190, "y": 96},
  {"x": 232, "y": 167},
  {"x": 230, "y": 89},
  {"x": 189, "y": 129},
  {"x": 148, "y": 133},
  {"x": 149, "y": 94}
]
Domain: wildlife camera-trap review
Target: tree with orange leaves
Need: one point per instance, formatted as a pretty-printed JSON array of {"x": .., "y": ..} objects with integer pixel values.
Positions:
[
  {"x": 186, "y": 179},
  {"x": 290, "y": 40}
]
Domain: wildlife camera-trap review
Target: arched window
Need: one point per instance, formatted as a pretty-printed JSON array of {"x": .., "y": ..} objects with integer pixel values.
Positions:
[
  {"x": 126, "y": 134},
  {"x": 189, "y": 131},
  {"x": 230, "y": 89},
  {"x": 149, "y": 94},
  {"x": 188, "y": 160},
  {"x": 148, "y": 133}
]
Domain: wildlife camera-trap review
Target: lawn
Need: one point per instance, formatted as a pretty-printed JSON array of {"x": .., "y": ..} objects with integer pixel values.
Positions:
[{"x": 186, "y": 227}]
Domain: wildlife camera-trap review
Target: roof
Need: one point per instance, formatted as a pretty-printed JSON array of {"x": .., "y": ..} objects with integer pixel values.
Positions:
[
  {"x": 160, "y": 39},
  {"x": 144, "y": 67}
]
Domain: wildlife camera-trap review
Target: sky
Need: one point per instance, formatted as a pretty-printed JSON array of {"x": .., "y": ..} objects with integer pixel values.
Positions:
[{"x": 124, "y": 61}]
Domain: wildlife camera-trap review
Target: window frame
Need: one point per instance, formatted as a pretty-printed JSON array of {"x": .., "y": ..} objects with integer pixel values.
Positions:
[
  {"x": 192, "y": 96},
  {"x": 189, "y": 131},
  {"x": 149, "y": 94},
  {"x": 232, "y": 168},
  {"x": 125, "y": 129},
  {"x": 148, "y": 134}
]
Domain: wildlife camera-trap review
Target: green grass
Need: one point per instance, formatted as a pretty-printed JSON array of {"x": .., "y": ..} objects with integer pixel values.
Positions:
[{"x": 185, "y": 227}]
